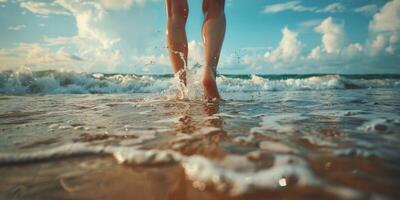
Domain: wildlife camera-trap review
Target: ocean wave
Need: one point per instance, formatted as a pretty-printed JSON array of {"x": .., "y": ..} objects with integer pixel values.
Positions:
[{"x": 63, "y": 82}]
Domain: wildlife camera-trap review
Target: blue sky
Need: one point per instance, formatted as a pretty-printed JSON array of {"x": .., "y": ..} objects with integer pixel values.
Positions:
[{"x": 263, "y": 36}]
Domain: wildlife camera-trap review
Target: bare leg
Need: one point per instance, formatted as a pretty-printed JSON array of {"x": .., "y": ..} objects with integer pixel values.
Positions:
[
  {"x": 177, "y": 13},
  {"x": 213, "y": 33}
]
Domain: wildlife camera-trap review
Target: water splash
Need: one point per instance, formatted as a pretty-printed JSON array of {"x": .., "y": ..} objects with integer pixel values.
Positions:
[{"x": 191, "y": 89}]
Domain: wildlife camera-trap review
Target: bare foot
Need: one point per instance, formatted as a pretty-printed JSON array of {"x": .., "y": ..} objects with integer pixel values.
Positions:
[{"x": 209, "y": 84}]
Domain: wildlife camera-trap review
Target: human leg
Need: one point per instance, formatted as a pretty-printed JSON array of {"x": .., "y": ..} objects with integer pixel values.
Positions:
[
  {"x": 177, "y": 13},
  {"x": 213, "y": 33}
]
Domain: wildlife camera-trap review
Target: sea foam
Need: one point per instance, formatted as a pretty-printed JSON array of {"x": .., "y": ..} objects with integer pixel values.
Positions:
[
  {"x": 203, "y": 172},
  {"x": 60, "y": 82}
]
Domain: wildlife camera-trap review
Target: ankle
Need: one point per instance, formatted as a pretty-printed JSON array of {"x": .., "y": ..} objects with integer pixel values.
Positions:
[{"x": 208, "y": 81}]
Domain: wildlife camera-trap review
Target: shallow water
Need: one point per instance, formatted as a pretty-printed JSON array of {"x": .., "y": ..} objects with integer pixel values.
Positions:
[
  {"x": 279, "y": 144},
  {"x": 66, "y": 135}
]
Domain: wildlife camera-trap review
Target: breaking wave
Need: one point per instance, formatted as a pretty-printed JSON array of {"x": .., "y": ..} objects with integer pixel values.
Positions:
[{"x": 61, "y": 82}]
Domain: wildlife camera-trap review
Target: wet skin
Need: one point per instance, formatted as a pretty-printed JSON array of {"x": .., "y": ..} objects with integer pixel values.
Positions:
[{"x": 213, "y": 32}]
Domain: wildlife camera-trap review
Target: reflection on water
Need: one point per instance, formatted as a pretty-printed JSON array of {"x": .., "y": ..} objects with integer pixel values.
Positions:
[{"x": 289, "y": 144}]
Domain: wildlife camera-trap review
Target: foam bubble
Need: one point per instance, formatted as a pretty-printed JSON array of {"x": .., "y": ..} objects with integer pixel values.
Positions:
[
  {"x": 381, "y": 125},
  {"x": 234, "y": 174},
  {"x": 360, "y": 152},
  {"x": 56, "y": 82},
  {"x": 200, "y": 169},
  {"x": 276, "y": 147},
  {"x": 281, "y": 123}
]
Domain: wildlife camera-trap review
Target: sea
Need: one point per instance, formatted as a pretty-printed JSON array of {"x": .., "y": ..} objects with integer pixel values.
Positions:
[{"x": 75, "y": 135}]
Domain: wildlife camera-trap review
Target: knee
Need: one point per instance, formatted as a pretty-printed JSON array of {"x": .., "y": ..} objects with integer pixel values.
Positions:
[
  {"x": 178, "y": 12},
  {"x": 214, "y": 8}
]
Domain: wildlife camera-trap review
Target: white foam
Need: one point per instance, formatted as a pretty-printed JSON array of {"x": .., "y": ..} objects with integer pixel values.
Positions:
[
  {"x": 53, "y": 126},
  {"x": 200, "y": 169},
  {"x": 277, "y": 147},
  {"x": 358, "y": 152},
  {"x": 316, "y": 140},
  {"x": 282, "y": 123},
  {"x": 55, "y": 82},
  {"x": 221, "y": 114},
  {"x": 64, "y": 127},
  {"x": 207, "y": 131},
  {"x": 141, "y": 136},
  {"x": 381, "y": 125},
  {"x": 135, "y": 156},
  {"x": 250, "y": 138},
  {"x": 234, "y": 174}
]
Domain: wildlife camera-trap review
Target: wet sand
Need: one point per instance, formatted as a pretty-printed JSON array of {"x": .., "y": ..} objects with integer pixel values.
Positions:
[{"x": 288, "y": 145}]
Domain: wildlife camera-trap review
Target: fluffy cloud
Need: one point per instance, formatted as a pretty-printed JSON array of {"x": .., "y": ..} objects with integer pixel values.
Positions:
[
  {"x": 89, "y": 51},
  {"x": 43, "y": 8},
  {"x": 387, "y": 19},
  {"x": 370, "y": 9},
  {"x": 37, "y": 57},
  {"x": 91, "y": 42},
  {"x": 196, "y": 53},
  {"x": 385, "y": 27},
  {"x": 332, "y": 35},
  {"x": 288, "y": 50},
  {"x": 334, "y": 55},
  {"x": 87, "y": 16}
]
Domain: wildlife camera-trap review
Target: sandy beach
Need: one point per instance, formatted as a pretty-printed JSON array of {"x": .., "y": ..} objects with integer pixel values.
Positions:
[{"x": 307, "y": 144}]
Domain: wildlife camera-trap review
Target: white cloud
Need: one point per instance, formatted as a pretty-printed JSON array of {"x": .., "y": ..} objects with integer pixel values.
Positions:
[
  {"x": 288, "y": 50},
  {"x": 17, "y": 27},
  {"x": 308, "y": 25},
  {"x": 332, "y": 8},
  {"x": 43, "y": 8},
  {"x": 148, "y": 60},
  {"x": 378, "y": 44},
  {"x": 332, "y": 35},
  {"x": 150, "y": 63},
  {"x": 385, "y": 27},
  {"x": 87, "y": 16},
  {"x": 196, "y": 53},
  {"x": 92, "y": 42},
  {"x": 89, "y": 51},
  {"x": 121, "y": 4},
  {"x": 334, "y": 55},
  {"x": 353, "y": 50},
  {"x": 37, "y": 57},
  {"x": 315, "y": 53},
  {"x": 297, "y": 7},
  {"x": 370, "y": 9},
  {"x": 195, "y": 56},
  {"x": 291, "y": 5},
  {"x": 388, "y": 18}
]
